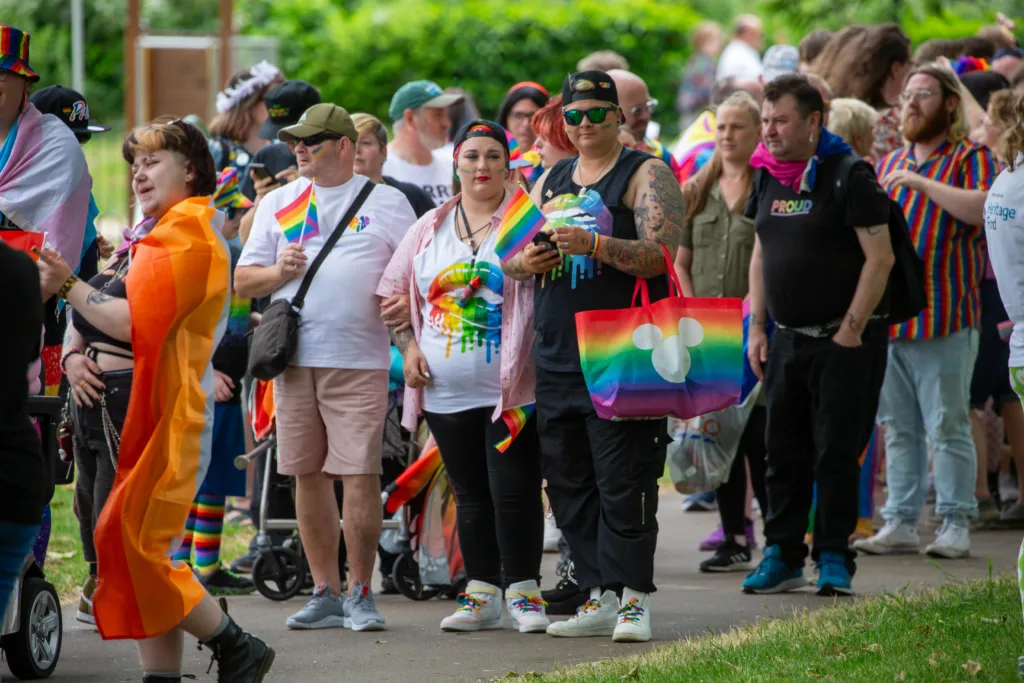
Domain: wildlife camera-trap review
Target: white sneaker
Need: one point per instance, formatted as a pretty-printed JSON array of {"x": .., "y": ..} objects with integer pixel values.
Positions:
[
  {"x": 894, "y": 538},
  {"x": 526, "y": 608},
  {"x": 480, "y": 610},
  {"x": 552, "y": 534},
  {"x": 596, "y": 617},
  {"x": 634, "y": 618},
  {"x": 952, "y": 541}
]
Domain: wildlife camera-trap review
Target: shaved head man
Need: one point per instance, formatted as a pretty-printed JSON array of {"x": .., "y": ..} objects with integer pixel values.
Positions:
[{"x": 638, "y": 106}]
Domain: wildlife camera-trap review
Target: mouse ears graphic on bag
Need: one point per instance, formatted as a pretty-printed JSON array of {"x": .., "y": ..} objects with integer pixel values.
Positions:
[{"x": 681, "y": 356}]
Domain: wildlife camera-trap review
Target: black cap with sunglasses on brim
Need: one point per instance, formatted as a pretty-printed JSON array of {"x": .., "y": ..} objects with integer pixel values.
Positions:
[{"x": 588, "y": 85}]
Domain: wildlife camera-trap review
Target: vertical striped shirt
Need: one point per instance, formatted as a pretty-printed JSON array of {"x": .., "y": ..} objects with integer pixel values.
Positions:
[{"x": 953, "y": 251}]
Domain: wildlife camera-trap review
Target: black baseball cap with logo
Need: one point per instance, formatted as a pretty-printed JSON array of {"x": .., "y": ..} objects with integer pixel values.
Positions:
[
  {"x": 70, "y": 107},
  {"x": 589, "y": 85},
  {"x": 286, "y": 104}
]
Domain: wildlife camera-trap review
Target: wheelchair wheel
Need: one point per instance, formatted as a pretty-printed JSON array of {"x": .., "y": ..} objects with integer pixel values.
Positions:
[
  {"x": 406, "y": 575},
  {"x": 278, "y": 573},
  {"x": 33, "y": 651}
]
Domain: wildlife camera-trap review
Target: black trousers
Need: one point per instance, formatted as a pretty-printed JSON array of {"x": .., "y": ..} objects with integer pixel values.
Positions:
[
  {"x": 822, "y": 401},
  {"x": 499, "y": 512},
  {"x": 732, "y": 495},
  {"x": 96, "y": 464},
  {"x": 602, "y": 483}
]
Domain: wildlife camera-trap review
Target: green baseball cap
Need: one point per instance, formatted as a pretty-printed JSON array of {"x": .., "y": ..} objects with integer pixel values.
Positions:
[
  {"x": 321, "y": 118},
  {"x": 419, "y": 94}
]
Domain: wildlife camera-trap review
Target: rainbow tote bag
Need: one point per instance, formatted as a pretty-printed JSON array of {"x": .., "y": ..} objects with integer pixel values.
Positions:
[{"x": 681, "y": 356}]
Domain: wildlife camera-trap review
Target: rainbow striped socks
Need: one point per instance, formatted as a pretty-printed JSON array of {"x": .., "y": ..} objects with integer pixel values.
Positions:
[{"x": 203, "y": 531}]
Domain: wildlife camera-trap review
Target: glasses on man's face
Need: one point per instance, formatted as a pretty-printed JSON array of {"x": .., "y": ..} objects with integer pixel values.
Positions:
[
  {"x": 520, "y": 117},
  {"x": 650, "y": 105},
  {"x": 918, "y": 96},
  {"x": 313, "y": 140},
  {"x": 574, "y": 117}
]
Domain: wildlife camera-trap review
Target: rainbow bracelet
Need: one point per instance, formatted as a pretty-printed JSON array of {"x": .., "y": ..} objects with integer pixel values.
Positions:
[{"x": 597, "y": 244}]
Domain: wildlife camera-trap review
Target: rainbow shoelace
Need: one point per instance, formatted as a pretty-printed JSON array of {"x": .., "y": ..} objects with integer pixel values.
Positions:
[
  {"x": 468, "y": 602},
  {"x": 530, "y": 604},
  {"x": 631, "y": 611},
  {"x": 590, "y": 605}
]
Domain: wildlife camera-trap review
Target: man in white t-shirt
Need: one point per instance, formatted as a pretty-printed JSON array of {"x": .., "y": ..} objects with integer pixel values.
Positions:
[
  {"x": 741, "y": 58},
  {"x": 331, "y": 401},
  {"x": 419, "y": 112}
]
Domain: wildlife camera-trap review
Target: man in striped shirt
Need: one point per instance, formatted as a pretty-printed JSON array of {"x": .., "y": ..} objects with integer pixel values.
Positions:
[{"x": 941, "y": 181}]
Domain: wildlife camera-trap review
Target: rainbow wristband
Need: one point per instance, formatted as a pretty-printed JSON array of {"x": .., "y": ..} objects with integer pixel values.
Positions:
[{"x": 597, "y": 244}]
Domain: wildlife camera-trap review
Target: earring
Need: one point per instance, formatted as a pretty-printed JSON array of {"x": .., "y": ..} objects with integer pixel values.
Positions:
[{"x": 810, "y": 138}]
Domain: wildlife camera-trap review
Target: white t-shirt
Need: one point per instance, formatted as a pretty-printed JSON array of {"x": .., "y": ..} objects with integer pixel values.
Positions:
[
  {"x": 461, "y": 332},
  {"x": 341, "y": 325},
  {"x": 435, "y": 178},
  {"x": 1004, "y": 231},
  {"x": 740, "y": 61}
]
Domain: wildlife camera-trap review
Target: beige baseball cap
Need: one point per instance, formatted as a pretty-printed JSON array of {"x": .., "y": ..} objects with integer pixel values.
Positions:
[{"x": 321, "y": 118}]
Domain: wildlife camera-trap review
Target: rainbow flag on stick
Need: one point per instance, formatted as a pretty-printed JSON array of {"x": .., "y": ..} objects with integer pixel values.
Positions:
[
  {"x": 516, "y": 419},
  {"x": 298, "y": 220},
  {"x": 522, "y": 221}
]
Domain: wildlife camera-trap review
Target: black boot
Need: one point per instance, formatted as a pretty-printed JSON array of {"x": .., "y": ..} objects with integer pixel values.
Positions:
[
  {"x": 240, "y": 656},
  {"x": 566, "y": 597}
]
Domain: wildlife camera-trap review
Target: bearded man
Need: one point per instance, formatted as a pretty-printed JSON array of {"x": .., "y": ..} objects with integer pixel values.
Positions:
[{"x": 940, "y": 179}]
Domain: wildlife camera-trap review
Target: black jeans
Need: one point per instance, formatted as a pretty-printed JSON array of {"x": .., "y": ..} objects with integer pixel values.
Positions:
[
  {"x": 499, "y": 512},
  {"x": 96, "y": 464},
  {"x": 822, "y": 401},
  {"x": 732, "y": 495},
  {"x": 602, "y": 483}
]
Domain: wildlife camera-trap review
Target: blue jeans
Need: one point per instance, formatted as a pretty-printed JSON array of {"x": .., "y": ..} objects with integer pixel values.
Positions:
[
  {"x": 925, "y": 400},
  {"x": 15, "y": 544}
]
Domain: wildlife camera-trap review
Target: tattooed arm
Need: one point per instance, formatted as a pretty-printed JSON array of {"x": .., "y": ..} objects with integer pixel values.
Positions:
[
  {"x": 657, "y": 204},
  {"x": 108, "y": 314}
]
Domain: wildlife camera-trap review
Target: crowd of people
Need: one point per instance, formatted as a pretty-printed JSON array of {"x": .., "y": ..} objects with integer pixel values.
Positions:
[{"x": 810, "y": 180}]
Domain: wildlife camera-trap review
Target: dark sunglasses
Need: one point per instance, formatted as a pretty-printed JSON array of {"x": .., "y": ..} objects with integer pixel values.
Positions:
[
  {"x": 574, "y": 117},
  {"x": 314, "y": 140}
]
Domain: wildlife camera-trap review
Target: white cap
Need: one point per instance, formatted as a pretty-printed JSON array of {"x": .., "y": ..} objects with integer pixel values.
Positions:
[{"x": 780, "y": 60}]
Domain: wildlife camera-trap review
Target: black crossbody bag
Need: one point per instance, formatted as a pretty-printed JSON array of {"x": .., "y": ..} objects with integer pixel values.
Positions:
[{"x": 277, "y": 336}]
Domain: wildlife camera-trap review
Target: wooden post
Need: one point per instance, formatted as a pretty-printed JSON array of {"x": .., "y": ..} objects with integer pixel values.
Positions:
[
  {"x": 131, "y": 34},
  {"x": 227, "y": 31}
]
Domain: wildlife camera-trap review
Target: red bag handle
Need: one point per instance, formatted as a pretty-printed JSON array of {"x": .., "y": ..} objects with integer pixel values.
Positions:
[{"x": 673, "y": 278}]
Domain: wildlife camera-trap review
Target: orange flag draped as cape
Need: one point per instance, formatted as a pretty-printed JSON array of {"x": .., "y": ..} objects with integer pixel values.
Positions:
[{"x": 178, "y": 286}]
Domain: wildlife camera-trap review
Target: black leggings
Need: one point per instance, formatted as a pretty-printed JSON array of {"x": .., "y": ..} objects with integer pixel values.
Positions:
[
  {"x": 732, "y": 495},
  {"x": 498, "y": 505}
]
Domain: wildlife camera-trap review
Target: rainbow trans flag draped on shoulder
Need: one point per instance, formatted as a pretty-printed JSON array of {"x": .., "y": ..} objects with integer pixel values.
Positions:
[
  {"x": 681, "y": 356},
  {"x": 178, "y": 288}
]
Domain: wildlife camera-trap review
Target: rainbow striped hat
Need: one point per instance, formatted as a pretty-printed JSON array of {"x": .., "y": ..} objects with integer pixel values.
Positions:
[{"x": 14, "y": 52}]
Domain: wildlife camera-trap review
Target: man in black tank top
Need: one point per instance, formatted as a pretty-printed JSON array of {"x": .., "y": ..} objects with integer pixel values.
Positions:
[{"x": 611, "y": 211}]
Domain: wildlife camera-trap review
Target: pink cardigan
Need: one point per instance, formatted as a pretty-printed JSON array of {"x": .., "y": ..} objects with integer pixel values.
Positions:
[{"x": 518, "y": 371}]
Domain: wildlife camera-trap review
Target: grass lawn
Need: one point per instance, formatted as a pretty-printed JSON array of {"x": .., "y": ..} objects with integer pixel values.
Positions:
[
  {"x": 963, "y": 631},
  {"x": 67, "y": 570}
]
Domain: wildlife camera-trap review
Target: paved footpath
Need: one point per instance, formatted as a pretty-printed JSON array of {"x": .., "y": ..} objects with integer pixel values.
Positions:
[{"x": 414, "y": 649}]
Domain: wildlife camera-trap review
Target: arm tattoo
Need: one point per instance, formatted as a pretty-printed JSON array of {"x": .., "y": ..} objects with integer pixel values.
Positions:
[
  {"x": 515, "y": 269},
  {"x": 402, "y": 340},
  {"x": 875, "y": 229},
  {"x": 98, "y": 298},
  {"x": 854, "y": 324}
]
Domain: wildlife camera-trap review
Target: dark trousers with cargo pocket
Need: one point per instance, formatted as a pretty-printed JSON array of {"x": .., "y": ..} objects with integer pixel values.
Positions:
[
  {"x": 602, "y": 483},
  {"x": 822, "y": 400}
]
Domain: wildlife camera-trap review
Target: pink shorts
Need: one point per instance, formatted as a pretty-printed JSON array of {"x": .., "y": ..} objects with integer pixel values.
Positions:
[{"x": 330, "y": 420}]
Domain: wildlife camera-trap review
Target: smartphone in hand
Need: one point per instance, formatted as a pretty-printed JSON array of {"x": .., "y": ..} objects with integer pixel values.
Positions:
[{"x": 260, "y": 171}]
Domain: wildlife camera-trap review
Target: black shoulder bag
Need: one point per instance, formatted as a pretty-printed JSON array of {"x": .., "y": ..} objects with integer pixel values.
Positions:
[{"x": 275, "y": 340}]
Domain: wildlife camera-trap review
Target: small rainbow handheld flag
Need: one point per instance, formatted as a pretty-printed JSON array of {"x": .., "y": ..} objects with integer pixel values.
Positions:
[
  {"x": 516, "y": 419},
  {"x": 227, "y": 195},
  {"x": 521, "y": 222},
  {"x": 298, "y": 220},
  {"x": 515, "y": 155}
]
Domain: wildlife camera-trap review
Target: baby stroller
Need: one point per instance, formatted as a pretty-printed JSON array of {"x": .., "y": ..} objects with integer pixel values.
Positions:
[
  {"x": 31, "y": 633},
  {"x": 279, "y": 572}
]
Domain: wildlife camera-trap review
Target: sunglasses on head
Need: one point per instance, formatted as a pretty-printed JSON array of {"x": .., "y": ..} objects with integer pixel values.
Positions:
[
  {"x": 314, "y": 140},
  {"x": 574, "y": 117}
]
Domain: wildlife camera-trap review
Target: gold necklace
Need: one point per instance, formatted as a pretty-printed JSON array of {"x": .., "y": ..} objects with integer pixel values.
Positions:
[{"x": 583, "y": 186}]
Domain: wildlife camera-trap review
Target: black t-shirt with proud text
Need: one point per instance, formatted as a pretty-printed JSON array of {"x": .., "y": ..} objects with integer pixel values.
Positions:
[{"x": 811, "y": 259}]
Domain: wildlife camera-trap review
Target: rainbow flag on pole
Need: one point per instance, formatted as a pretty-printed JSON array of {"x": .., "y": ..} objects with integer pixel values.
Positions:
[
  {"x": 521, "y": 222},
  {"x": 298, "y": 220},
  {"x": 516, "y": 419}
]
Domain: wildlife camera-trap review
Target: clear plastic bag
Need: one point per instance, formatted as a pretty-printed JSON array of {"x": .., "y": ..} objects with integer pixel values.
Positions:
[{"x": 703, "y": 448}]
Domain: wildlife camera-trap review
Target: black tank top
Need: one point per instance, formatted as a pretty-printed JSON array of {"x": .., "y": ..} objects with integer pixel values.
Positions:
[
  {"x": 581, "y": 283},
  {"x": 109, "y": 284}
]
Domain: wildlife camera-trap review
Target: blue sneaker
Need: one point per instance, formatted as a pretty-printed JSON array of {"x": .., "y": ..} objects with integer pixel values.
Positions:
[
  {"x": 700, "y": 502},
  {"x": 773, "y": 576},
  {"x": 833, "y": 576}
]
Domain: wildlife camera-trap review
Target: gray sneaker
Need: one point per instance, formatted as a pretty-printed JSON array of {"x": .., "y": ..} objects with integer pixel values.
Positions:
[
  {"x": 324, "y": 610},
  {"x": 1013, "y": 513},
  {"x": 361, "y": 611}
]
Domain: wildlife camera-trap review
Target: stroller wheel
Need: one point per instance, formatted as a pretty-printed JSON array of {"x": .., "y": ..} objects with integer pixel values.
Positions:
[
  {"x": 406, "y": 575},
  {"x": 278, "y": 573},
  {"x": 33, "y": 651}
]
